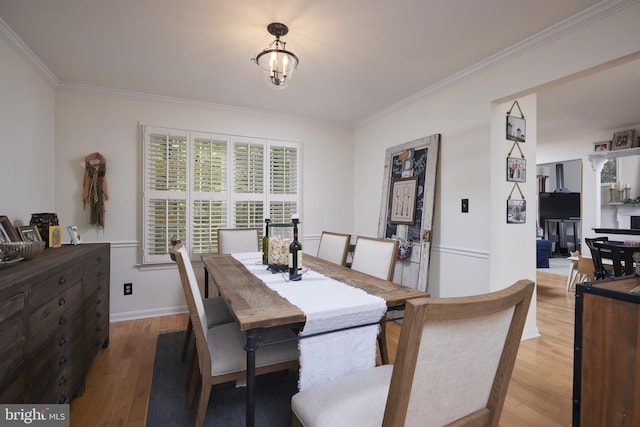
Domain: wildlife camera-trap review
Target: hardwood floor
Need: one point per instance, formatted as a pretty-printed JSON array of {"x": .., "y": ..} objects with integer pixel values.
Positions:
[{"x": 119, "y": 381}]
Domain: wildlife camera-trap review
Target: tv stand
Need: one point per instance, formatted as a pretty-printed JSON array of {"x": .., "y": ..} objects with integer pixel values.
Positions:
[{"x": 556, "y": 232}]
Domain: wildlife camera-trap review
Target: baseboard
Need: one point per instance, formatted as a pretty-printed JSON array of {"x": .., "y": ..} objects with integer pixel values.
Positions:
[{"x": 143, "y": 314}]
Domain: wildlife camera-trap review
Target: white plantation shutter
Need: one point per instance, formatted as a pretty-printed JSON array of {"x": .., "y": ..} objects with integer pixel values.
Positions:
[
  {"x": 197, "y": 182},
  {"x": 284, "y": 190},
  {"x": 209, "y": 190},
  {"x": 249, "y": 182},
  {"x": 165, "y": 192}
]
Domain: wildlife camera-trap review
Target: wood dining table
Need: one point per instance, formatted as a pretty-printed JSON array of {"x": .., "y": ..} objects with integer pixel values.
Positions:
[{"x": 257, "y": 309}]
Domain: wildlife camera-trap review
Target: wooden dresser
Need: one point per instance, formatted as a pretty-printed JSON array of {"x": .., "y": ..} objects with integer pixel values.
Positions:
[
  {"x": 606, "y": 375},
  {"x": 54, "y": 318}
]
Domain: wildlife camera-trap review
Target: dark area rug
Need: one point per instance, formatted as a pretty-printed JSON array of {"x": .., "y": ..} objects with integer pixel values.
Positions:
[{"x": 167, "y": 403}]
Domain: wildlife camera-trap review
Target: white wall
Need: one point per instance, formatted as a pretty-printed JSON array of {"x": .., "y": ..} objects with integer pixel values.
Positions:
[
  {"x": 477, "y": 251},
  {"x": 27, "y": 159},
  {"x": 92, "y": 120}
]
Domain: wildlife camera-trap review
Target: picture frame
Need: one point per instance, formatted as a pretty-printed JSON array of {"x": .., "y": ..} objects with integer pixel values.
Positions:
[
  {"x": 55, "y": 236},
  {"x": 601, "y": 146},
  {"x": 4, "y": 237},
  {"x": 9, "y": 231},
  {"x": 29, "y": 233},
  {"x": 403, "y": 200},
  {"x": 516, "y": 211},
  {"x": 74, "y": 234},
  {"x": 516, "y": 128},
  {"x": 623, "y": 139},
  {"x": 516, "y": 169}
]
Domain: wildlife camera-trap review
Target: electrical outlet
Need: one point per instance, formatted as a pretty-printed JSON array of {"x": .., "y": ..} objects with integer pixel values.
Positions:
[{"x": 128, "y": 288}]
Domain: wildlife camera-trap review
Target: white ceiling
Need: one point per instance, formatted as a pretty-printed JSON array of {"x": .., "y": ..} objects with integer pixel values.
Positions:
[{"x": 357, "y": 57}]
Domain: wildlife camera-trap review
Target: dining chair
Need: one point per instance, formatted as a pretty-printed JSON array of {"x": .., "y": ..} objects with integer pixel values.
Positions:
[
  {"x": 453, "y": 365},
  {"x": 600, "y": 272},
  {"x": 216, "y": 308},
  {"x": 620, "y": 255},
  {"x": 220, "y": 349},
  {"x": 376, "y": 257},
  {"x": 334, "y": 247},
  {"x": 232, "y": 240},
  {"x": 585, "y": 271}
]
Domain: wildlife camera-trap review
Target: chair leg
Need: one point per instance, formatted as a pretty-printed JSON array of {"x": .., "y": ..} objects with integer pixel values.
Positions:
[
  {"x": 193, "y": 365},
  {"x": 187, "y": 339},
  {"x": 192, "y": 380},
  {"x": 205, "y": 393},
  {"x": 382, "y": 342}
]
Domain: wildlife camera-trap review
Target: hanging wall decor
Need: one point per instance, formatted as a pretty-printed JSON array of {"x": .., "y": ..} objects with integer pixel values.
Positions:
[
  {"x": 516, "y": 166},
  {"x": 516, "y": 126},
  {"x": 94, "y": 191},
  {"x": 516, "y": 208}
]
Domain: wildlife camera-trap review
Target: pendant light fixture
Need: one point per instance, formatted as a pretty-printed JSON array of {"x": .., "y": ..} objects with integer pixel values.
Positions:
[{"x": 276, "y": 63}]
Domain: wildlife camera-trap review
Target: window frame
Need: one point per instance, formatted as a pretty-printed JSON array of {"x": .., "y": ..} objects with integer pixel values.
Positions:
[{"x": 150, "y": 248}]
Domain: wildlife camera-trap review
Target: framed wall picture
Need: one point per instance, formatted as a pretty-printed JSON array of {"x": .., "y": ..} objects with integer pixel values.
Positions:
[
  {"x": 10, "y": 232},
  {"x": 74, "y": 234},
  {"x": 623, "y": 139},
  {"x": 601, "y": 146},
  {"x": 55, "y": 236},
  {"x": 516, "y": 211},
  {"x": 516, "y": 128},
  {"x": 516, "y": 169},
  {"x": 29, "y": 233},
  {"x": 403, "y": 200}
]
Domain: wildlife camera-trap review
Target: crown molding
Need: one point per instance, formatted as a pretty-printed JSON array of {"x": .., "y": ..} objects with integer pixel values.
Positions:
[
  {"x": 27, "y": 54},
  {"x": 559, "y": 30}
]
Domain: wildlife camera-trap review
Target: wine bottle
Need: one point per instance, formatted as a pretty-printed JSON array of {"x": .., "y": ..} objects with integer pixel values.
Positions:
[
  {"x": 265, "y": 242},
  {"x": 295, "y": 254}
]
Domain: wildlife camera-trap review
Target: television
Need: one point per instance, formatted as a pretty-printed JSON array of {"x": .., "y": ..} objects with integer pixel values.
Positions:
[{"x": 559, "y": 205}]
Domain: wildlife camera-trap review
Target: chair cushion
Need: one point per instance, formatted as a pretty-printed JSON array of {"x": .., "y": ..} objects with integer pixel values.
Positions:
[
  {"x": 226, "y": 346},
  {"x": 356, "y": 400},
  {"x": 217, "y": 311}
]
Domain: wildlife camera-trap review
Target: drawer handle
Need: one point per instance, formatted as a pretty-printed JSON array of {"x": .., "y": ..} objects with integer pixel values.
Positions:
[
  {"x": 61, "y": 321},
  {"x": 63, "y": 398},
  {"x": 62, "y": 341},
  {"x": 99, "y": 286},
  {"x": 62, "y": 361},
  {"x": 99, "y": 259},
  {"x": 99, "y": 274},
  {"x": 62, "y": 381},
  {"x": 61, "y": 280},
  {"x": 98, "y": 329},
  {"x": 98, "y": 301},
  {"x": 62, "y": 301}
]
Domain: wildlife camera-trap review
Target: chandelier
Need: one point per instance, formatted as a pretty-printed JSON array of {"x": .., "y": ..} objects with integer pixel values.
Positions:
[{"x": 277, "y": 63}]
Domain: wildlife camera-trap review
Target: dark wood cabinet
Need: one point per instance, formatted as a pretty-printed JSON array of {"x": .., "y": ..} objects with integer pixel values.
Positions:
[
  {"x": 54, "y": 317},
  {"x": 606, "y": 379}
]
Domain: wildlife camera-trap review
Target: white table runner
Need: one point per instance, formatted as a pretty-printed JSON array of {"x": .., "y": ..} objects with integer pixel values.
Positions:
[{"x": 328, "y": 305}]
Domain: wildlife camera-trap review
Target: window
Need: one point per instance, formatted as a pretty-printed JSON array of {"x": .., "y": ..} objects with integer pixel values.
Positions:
[
  {"x": 197, "y": 182},
  {"x": 609, "y": 174}
]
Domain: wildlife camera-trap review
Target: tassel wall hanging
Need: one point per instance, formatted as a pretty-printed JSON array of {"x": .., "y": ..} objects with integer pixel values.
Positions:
[{"x": 94, "y": 189}]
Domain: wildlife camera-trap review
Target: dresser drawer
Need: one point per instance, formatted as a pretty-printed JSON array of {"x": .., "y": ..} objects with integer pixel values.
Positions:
[
  {"x": 56, "y": 377},
  {"x": 55, "y": 284},
  {"x": 12, "y": 317},
  {"x": 54, "y": 317},
  {"x": 13, "y": 386}
]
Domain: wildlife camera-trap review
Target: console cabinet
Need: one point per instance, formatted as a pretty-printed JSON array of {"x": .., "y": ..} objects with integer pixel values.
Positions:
[
  {"x": 606, "y": 380},
  {"x": 54, "y": 318}
]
